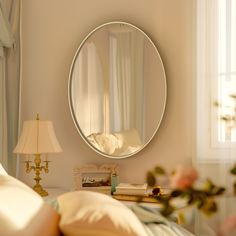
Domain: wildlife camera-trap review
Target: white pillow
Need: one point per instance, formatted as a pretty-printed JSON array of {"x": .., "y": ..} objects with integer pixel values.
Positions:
[
  {"x": 96, "y": 214},
  {"x": 23, "y": 212},
  {"x": 2, "y": 170},
  {"x": 129, "y": 138}
]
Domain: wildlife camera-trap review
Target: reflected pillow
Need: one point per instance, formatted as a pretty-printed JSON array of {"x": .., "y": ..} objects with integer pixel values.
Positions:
[
  {"x": 120, "y": 143},
  {"x": 129, "y": 138},
  {"x": 23, "y": 212},
  {"x": 96, "y": 214},
  {"x": 106, "y": 142}
]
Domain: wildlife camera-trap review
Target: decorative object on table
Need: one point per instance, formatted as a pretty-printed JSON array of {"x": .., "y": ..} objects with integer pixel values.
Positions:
[
  {"x": 131, "y": 189},
  {"x": 183, "y": 180},
  {"x": 93, "y": 177},
  {"x": 37, "y": 138},
  {"x": 114, "y": 181}
]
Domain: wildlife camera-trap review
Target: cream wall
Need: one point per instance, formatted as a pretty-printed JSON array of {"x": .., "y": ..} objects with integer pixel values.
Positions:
[{"x": 52, "y": 31}]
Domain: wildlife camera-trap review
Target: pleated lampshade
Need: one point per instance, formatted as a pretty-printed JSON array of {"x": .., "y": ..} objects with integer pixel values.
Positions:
[{"x": 37, "y": 137}]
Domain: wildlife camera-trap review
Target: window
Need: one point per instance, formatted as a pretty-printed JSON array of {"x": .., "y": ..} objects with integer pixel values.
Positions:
[{"x": 216, "y": 79}]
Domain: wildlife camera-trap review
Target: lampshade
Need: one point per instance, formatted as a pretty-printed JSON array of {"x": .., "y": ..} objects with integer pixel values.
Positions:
[{"x": 37, "y": 137}]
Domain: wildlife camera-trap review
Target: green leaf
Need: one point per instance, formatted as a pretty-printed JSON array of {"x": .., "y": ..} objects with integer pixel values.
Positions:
[
  {"x": 233, "y": 96},
  {"x": 226, "y": 118},
  {"x": 167, "y": 210},
  {"x": 209, "y": 207},
  {"x": 233, "y": 170},
  {"x": 201, "y": 201},
  {"x": 219, "y": 191},
  {"x": 216, "y": 103},
  {"x": 159, "y": 170},
  {"x": 151, "y": 180},
  {"x": 191, "y": 199},
  {"x": 209, "y": 185},
  {"x": 176, "y": 193}
]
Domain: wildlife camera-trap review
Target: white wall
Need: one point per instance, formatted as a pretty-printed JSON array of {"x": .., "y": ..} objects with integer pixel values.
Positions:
[{"x": 52, "y": 31}]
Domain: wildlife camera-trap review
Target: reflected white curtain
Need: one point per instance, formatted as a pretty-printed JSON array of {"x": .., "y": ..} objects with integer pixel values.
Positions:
[
  {"x": 126, "y": 81},
  {"x": 9, "y": 80},
  {"x": 88, "y": 90}
]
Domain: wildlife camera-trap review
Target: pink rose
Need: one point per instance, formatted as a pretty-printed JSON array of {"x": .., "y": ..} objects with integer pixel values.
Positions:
[
  {"x": 228, "y": 226},
  {"x": 184, "y": 177}
]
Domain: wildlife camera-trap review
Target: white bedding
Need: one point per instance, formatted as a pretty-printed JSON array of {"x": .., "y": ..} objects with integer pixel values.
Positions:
[
  {"x": 151, "y": 222},
  {"x": 24, "y": 213},
  {"x": 155, "y": 224}
]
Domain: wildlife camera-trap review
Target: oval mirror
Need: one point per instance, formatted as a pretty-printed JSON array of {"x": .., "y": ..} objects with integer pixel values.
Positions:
[{"x": 117, "y": 89}]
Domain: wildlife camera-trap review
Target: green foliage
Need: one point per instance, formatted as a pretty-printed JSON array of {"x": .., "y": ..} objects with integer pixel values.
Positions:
[
  {"x": 159, "y": 170},
  {"x": 233, "y": 96},
  {"x": 151, "y": 175},
  {"x": 233, "y": 170},
  {"x": 176, "y": 193},
  {"x": 201, "y": 198},
  {"x": 151, "y": 180}
]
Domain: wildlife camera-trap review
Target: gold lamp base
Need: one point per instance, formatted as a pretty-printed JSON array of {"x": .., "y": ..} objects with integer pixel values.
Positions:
[
  {"x": 39, "y": 189},
  {"x": 38, "y": 168}
]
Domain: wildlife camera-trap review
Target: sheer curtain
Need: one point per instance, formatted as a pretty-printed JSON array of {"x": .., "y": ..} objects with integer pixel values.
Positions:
[
  {"x": 88, "y": 94},
  {"x": 9, "y": 80},
  {"x": 216, "y": 82},
  {"x": 126, "y": 81}
]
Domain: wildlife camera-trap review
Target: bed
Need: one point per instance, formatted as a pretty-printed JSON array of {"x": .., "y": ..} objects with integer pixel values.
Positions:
[{"x": 79, "y": 213}]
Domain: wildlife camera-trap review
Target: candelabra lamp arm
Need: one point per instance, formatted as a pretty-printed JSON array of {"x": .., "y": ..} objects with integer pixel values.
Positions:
[
  {"x": 46, "y": 167},
  {"x": 28, "y": 167}
]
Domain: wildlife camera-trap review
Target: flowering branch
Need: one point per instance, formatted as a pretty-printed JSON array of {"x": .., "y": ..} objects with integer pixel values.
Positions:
[{"x": 183, "y": 181}]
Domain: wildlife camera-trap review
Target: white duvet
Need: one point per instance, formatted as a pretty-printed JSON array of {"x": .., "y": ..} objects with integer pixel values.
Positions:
[{"x": 157, "y": 225}]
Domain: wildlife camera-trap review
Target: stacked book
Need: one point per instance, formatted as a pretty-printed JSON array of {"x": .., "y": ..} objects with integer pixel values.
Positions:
[
  {"x": 131, "y": 189},
  {"x": 133, "y": 192}
]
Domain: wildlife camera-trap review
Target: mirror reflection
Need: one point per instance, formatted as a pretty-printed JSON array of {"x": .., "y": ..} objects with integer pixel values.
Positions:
[{"x": 117, "y": 89}]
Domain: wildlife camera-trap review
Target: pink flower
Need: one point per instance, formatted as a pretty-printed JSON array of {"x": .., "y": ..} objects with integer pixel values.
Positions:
[
  {"x": 184, "y": 177},
  {"x": 228, "y": 226}
]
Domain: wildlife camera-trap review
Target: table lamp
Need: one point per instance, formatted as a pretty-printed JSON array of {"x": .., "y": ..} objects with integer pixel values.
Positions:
[{"x": 37, "y": 138}]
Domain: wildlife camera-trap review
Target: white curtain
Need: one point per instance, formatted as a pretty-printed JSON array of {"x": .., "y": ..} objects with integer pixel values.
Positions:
[
  {"x": 126, "y": 81},
  {"x": 216, "y": 81},
  {"x": 88, "y": 90},
  {"x": 3, "y": 118},
  {"x": 9, "y": 80}
]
